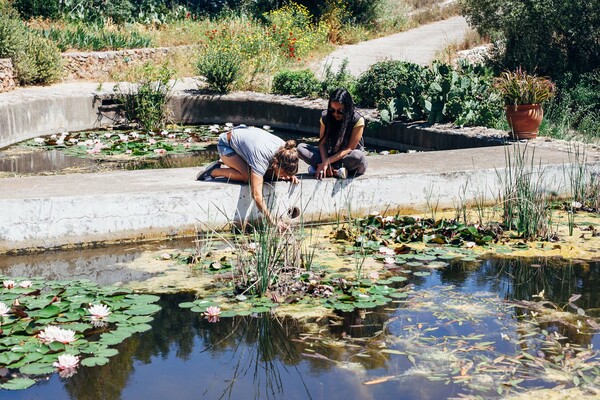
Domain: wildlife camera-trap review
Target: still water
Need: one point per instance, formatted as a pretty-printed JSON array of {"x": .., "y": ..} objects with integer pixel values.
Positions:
[{"x": 463, "y": 330}]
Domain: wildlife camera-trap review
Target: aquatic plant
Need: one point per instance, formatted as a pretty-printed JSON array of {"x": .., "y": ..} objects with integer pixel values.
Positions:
[
  {"x": 524, "y": 199},
  {"x": 48, "y": 326}
]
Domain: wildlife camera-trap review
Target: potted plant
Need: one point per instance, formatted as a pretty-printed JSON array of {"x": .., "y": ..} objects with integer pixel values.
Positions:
[{"x": 523, "y": 96}]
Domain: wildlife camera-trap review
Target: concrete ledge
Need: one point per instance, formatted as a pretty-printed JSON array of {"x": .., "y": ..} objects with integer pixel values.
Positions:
[
  {"x": 37, "y": 111},
  {"x": 48, "y": 212}
]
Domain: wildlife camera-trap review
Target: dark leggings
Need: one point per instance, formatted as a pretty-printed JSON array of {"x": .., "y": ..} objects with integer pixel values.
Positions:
[{"x": 355, "y": 161}]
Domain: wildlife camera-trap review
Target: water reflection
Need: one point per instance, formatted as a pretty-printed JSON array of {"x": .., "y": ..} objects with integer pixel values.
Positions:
[{"x": 260, "y": 357}]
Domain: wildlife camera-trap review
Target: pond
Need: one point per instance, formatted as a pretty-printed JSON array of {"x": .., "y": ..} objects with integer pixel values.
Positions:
[
  {"x": 488, "y": 328},
  {"x": 110, "y": 149}
]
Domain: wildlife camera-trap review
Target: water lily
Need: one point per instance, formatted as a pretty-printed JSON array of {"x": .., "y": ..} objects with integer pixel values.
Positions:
[
  {"x": 9, "y": 284},
  {"x": 56, "y": 334},
  {"x": 387, "y": 251},
  {"x": 212, "y": 313},
  {"x": 39, "y": 140},
  {"x": 25, "y": 284},
  {"x": 151, "y": 141},
  {"x": 389, "y": 260},
  {"x": 229, "y": 125},
  {"x": 99, "y": 311},
  {"x": 160, "y": 151},
  {"x": 373, "y": 275},
  {"x": 576, "y": 205},
  {"x": 266, "y": 127},
  {"x": 164, "y": 133},
  {"x": 66, "y": 361},
  {"x": 4, "y": 310},
  {"x": 67, "y": 365},
  {"x": 470, "y": 245}
]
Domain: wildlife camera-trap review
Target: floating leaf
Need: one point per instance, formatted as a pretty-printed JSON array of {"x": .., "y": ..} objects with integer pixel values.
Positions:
[
  {"x": 422, "y": 273},
  {"x": 18, "y": 384},
  {"x": 94, "y": 361},
  {"x": 143, "y": 309},
  {"x": 37, "y": 369}
]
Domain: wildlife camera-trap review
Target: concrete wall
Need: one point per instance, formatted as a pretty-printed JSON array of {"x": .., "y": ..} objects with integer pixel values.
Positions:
[{"x": 38, "y": 111}]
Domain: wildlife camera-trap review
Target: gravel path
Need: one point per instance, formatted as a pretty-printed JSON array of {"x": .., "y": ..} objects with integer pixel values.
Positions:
[{"x": 418, "y": 45}]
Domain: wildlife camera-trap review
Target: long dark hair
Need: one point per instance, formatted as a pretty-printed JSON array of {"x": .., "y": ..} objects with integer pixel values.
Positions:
[{"x": 337, "y": 133}]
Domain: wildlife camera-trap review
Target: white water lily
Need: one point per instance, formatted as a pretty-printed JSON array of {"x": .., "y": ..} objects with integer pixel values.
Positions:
[
  {"x": 9, "y": 284},
  {"x": 4, "y": 310},
  {"x": 229, "y": 125},
  {"x": 39, "y": 140},
  {"x": 389, "y": 260},
  {"x": 25, "y": 284},
  {"x": 66, "y": 361},
  {"x": 470, "y": 245},
  {"x": 99, "y": 311},
  {"x": 56, "y": 334},
  {"x": 373, "y": 275},
  {"x": 576, "y": 205}
]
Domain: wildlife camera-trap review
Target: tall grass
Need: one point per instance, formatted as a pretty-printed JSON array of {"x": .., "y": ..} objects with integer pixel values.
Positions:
[{"x": 523, "y": 198}]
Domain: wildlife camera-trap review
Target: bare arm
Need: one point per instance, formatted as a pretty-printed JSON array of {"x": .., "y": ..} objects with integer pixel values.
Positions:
[
  {"x": 256, "y": 187},
  {"x": 323, "y": 168},
  {"x": 355, "y": 138}
]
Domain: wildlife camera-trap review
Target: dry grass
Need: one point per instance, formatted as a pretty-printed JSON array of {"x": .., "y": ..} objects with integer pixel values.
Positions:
[{"x": 471, "y": 40}]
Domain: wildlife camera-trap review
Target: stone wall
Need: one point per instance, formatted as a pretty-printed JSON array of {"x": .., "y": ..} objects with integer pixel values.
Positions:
[
  {"x": 98, "y": 65},
  {"x": 7, "y": 75}
]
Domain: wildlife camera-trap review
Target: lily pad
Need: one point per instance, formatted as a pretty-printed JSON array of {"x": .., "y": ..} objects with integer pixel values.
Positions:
[
  {"x": 18, "y": 384},
  {"x": 94, "y": 361}
]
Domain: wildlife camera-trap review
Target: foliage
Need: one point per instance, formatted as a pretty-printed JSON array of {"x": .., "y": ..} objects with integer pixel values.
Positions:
[
  {"x": 96, "y": 38},
  {"x": 519, "y": 87},
  {"x": 297, "y": 83},
  {"x": 524, "y": 201},
  {"x": 378, "y": 84},
  {"x": 36, "y": 60},
  {"x": 38, "y": 8},
  {"x": 145, "y": 102},
  {"x": 340, "y": 79},
  {"x": 32, "y": 305},
  {"x": 552, "y": 37},
  {"x": 576, "y": 107},
  {"x": 220, "y": 68},
  {"x": 103, "y": 144}
]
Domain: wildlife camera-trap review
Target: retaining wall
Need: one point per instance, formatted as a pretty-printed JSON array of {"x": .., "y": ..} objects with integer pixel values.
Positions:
[{"x": 7, "y": 75}]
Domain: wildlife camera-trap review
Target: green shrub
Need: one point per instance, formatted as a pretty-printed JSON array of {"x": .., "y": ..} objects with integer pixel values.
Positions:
[
  {"x": 45, "y": 58},
  {"x": 145, "y": 102},
  {"x": 297, "y": 83},
  {"x": 378, "y": 84},
  {"x": 341, "y": 79},
  {"x": 95, "y": 38},
  {"x": 13, "y": 37},
  {"x": 220, "y": 68},
  {"x": 550, "y": 37},
  {"x": 38, "y": 8}
]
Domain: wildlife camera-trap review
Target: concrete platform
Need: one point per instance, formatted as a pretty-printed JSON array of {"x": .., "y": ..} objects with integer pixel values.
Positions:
[{"x": 49, "y": 212}]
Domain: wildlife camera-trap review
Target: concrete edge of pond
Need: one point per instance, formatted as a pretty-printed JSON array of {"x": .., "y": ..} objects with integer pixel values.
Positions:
[
  {"x": 29, "y": 112},
  {"x": 82, "y": 210}
]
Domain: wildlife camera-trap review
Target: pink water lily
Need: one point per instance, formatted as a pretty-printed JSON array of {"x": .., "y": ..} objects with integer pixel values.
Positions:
[
  {"x": 8, "y": 284},
  {"x": 389, "y": 260},
  {"x": 4, "y": 310},
  {"x": 99, "y": 311},
  {"x": 212, "y": 313},
  {"x": 56, "y": 334}
]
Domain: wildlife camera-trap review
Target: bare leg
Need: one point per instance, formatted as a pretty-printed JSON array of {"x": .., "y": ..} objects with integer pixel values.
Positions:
[{"x": 238, "y": 169}]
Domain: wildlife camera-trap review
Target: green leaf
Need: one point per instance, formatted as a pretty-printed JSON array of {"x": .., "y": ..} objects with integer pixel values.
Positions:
[
  {"x": 8, "y": 357},
  {"x": 18, "y": 384},
  {"x": 94, "y": 361},
  {"x": 37, "y": 369},
  {"x": 141, "y": 298},
  {"x": 188, "y": 304},
  {"x": 106, "y": 353},
  {"x": 143, "y": 309},
  {"x": 48, "y": 311}
]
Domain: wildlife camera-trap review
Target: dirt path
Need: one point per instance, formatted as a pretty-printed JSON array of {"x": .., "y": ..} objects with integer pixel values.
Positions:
[{"x": 418, "y": 45}]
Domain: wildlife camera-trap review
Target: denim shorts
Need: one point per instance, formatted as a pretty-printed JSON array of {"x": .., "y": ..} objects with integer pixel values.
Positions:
[{"x": 223, "y": 146}]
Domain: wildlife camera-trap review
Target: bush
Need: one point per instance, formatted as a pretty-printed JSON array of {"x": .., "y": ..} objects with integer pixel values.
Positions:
[
  {"x": 145, "y": 102},
  {"x": 46, "y": 61},
  {"x": 38, "y": 8},
  {"x": 297, "y": 83},
  {"x": 549, "y": 37},
  {"x": 220, "y": 68},
  {"x": 341, "y": 79},
  {"x": 378, "y": 84}
]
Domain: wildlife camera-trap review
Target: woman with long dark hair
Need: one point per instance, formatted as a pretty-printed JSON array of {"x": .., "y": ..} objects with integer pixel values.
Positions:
[{"x": 340, "y": 152}]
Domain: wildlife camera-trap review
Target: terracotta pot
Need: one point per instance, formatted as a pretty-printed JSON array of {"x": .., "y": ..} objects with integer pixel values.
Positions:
[{"x": 524, "y": 120}]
